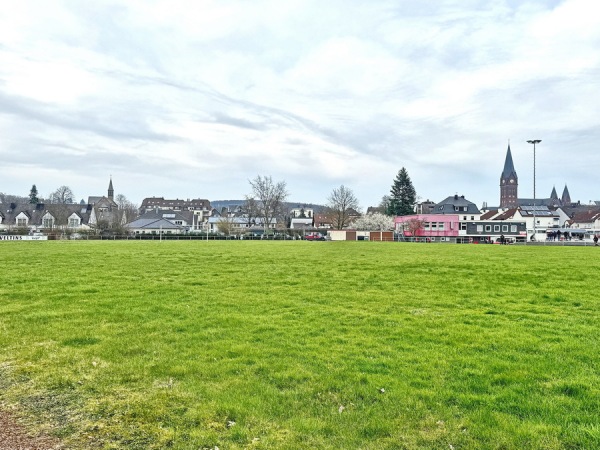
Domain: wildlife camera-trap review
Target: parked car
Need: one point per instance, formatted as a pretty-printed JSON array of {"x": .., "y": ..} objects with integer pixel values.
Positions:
[{"x": 314, "y": 237}]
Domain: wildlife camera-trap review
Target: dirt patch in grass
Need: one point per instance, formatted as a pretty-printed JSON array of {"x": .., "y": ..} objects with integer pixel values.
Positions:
[{"x": 14, "y": 437}]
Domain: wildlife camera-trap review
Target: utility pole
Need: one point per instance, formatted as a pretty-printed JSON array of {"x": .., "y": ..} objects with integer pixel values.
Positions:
[{"x": 534, "y": 142}]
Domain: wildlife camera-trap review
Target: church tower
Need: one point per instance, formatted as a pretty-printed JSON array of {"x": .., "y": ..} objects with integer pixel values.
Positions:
[
  {"x": 509, "y": 182},
  {"x": 554, "y": 201},
  {"x": 566, "y": 197},
  {"x": 111, "y": 191}
]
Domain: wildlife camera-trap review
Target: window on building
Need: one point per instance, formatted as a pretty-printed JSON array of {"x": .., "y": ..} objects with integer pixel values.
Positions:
[
  {"x": 433, "y": 225},
  {"x": 480, "y": 228},
  {"x": 21, "y": 222},
  {"x": 48, "y": 223},
  {"x": 426, "y": 226},
  {"x": 513, "y": 228},
  {"x": 463, "y": 226},
  {"x": 441, "y": 226},
  {"x": 73, "y": 223},
  {"x": 464, "y": 217},
  {"x": 505, "y": 228},
  {"x": 488, "y": 228},
  {"x": 472, "y": 217},
  {"x": 496, "y": 228}
]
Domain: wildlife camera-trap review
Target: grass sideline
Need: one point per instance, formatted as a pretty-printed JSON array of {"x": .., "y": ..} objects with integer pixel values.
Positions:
[{"x": 299, "y": 344}]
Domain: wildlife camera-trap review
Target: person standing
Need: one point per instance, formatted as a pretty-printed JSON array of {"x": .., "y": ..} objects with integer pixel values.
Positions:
[{"x": 596, "y": 240}]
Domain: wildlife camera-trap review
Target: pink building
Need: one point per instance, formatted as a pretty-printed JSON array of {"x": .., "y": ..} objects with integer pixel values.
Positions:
[{"x": 428, "y": 225}]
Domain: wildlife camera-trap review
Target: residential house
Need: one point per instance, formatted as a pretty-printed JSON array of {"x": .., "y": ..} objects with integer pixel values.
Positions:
[
  {"x": 301, "y": 212},
  {"x": 197, "y": 204},
  {"x": 323, "y": 221},
  {"x": 588, "y": 219},
  {"x": 425, "y": 207},
  {"x": 163, "y": 221},
  {"x": 375, "y": 210},
  {"x": 200, "y": 207},
  {"x": 301, "y": 218},
  {"x": 43, "y": 217},
  {"x": 457, "y": 205},
  {"x": 239, "y": 225}
]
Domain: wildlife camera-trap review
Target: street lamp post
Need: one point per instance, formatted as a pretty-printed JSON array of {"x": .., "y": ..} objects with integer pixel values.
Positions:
[{"x": 534, "y": 142}]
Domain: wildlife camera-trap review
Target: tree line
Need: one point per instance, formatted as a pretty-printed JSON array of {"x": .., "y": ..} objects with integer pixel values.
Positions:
[
  {"x": 62, "y": 195},
  {"x": 400, "y": 202},
  {"x": 267, "y": 202},
  {"x": 267, "y": 199}
]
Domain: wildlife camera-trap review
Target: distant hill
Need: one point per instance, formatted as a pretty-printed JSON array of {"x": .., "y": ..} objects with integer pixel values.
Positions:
[{"x": 218, "y": 204}]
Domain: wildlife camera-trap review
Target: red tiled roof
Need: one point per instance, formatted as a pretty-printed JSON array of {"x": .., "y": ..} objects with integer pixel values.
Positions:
[
  {"x": 586, "y": 216},
  {"x": 507, "y": 214},
  {"x": 489, "y": 214}
]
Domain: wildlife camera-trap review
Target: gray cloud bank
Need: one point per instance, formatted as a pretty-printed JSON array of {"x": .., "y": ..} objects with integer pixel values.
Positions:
[{"x": 191, "y": 99}]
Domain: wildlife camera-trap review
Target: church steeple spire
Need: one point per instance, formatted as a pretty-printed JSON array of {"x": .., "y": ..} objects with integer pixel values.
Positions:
[
  {"x": 508, "y": 182},
  {"x": 566, "y": 197},
  {"x": 111, "y": 191},
  {"x": 509, "y": 168}
]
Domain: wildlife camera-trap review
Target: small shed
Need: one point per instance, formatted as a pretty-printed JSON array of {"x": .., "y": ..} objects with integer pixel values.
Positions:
[
  {"x": 342, "y": 235},
  {"x": 381, "y": 236}
]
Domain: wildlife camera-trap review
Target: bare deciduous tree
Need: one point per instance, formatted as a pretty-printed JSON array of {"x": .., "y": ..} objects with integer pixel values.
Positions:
[
  {"x": 250, "y": 210},
  {"x": 340, "y": 204},
  {"x": 270, "y": 197},
  {"x": 226, "y": 225},
  {"x": 7, "y": 199},
  {"x": 63, "y": 195},
  {"x": 127, "y": 212},
  {"x": 384, "y": 205}
]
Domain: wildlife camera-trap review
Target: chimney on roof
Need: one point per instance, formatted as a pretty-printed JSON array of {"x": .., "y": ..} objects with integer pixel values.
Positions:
[
  {"x": 455, "y": 196},
  {"x": 462, "y": 196}
]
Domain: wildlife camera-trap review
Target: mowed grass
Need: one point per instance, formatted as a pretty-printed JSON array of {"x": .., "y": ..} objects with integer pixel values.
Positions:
[{"x": 289, "y": 345}]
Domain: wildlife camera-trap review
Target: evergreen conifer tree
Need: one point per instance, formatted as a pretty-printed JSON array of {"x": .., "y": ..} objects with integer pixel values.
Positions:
[
  {"x": 403, "y": 195},
  {"x": 33, "y": 198}
]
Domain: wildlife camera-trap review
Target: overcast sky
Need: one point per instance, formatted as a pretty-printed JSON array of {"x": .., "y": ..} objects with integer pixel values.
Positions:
[{"x": 188, "y": 99}]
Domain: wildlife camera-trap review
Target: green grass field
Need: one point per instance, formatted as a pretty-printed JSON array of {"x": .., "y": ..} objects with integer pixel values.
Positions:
[{"x": 270, "y": 345}]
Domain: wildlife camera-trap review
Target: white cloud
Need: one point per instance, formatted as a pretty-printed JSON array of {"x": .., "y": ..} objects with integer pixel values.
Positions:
[{"x": 196, "y": 97}]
